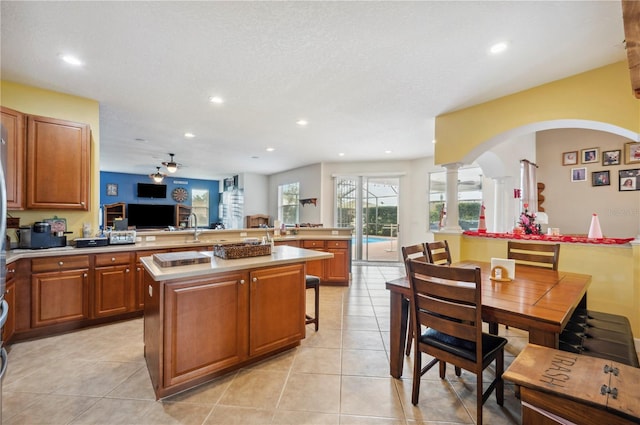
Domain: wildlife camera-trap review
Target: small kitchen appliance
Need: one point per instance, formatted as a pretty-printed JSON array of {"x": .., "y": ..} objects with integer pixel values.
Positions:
[{"x": 39, "y": 236}]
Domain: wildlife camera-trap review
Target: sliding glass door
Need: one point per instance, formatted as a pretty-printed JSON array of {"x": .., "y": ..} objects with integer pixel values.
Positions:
[{"x": 370, "y": 206}]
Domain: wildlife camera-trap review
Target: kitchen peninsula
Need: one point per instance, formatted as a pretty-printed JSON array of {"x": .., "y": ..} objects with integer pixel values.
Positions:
[{"x": 203, "y": 320}]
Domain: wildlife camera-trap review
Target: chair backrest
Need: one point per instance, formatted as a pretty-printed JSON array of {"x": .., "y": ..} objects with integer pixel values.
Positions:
[
  {"x": 417, "y": 251},
  {"x": 448, "y": 300},
  {"x": 534, "y": 254},
  {"x": 438, "y": 252}
]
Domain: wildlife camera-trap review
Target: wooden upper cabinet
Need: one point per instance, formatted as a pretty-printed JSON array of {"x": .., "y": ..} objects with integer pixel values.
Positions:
[
  {"x": 13, "y": 121},
  {"x": 58, "y": 164}
]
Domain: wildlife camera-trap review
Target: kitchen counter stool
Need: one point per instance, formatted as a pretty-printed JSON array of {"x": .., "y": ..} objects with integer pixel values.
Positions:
[{"x": 313, "y": 282}]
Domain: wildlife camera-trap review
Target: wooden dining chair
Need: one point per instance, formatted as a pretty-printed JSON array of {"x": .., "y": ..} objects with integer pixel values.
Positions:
[
  {"x": 419, "y": 252},
  {"x": 541, "y": 255},
  {"x": 447, "y": 302},
  {"x": 438, "y": 252},
  {"x": 534, "y": 254}
]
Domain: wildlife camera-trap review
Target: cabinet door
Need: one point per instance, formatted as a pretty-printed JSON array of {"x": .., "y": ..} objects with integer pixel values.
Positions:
[
  {"x": 58, "y": 158},
  {"x": 10, "y": 325},
  {"x": 277, "y": 308},
  {"x": 205, "y": 326},
  {"x": 337, "y": 268},
  {"x": 316, "y": 267},
  {"x": 59, "y": 297},
  {"x": 113, "y": 290},
  {"x": 13, "y": 121}
]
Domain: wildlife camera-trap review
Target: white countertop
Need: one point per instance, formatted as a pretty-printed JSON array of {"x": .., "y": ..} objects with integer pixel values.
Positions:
[{"x": 279, "y": 255}]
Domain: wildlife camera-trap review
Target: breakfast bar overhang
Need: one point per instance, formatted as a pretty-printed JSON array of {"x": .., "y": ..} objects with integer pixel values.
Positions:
[{"x": 204, "y": 320}]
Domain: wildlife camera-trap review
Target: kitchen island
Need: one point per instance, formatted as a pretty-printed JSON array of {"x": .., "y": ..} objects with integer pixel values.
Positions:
[{"x": 204, "y": 320}]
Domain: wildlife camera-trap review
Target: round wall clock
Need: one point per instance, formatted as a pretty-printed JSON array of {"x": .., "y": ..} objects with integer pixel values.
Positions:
[{"x": 179, "y": 194}]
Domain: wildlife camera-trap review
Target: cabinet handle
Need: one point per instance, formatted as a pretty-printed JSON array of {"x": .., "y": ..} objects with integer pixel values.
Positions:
[
  {"x": 126, "y": 271},
  {"x": 113, "y": 259},
  {"x": 241, "y": 281},
  {"x": 255, "y": 279},
  {"x": 60, "y": 263},
  {"x": 82, "y": 203},
  {"x": 137, "y": 269},
  {"x": 11, "y": 271},
  {"x": 84, "y": 275}
]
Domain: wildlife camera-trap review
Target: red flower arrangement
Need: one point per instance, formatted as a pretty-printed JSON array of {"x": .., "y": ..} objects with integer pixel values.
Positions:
[{"x": 528, "y": 222}]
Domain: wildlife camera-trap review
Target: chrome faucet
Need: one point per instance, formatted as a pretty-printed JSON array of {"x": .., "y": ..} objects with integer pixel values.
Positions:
[{"x": 195, "y": 226}]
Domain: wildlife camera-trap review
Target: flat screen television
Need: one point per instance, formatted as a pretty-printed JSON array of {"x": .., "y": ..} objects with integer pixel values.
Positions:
[
  {"x": 150, "y": 216},
  {"x": 149, "y": 190}
]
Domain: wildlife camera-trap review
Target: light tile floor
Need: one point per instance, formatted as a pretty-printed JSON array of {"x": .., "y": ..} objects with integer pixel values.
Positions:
[{"x": 339, "y": 375}]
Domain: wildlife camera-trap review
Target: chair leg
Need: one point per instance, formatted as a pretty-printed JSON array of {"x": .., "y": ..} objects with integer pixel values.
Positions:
[
  {"x": 410, "y": 333},
  {"x": 458, "y": 371},
  {"x": 500, "y": 382},
  {"x": 493, "y": 328},
  {"x": 417, "y": 374},
  {"x": 479, "y": 397},
  {"x": 443, "y": 369},
  {"x": 317, "y": 304}
]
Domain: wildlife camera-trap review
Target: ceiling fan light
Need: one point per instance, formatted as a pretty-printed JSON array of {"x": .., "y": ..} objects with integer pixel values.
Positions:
[
  {"x": 171, "y": 165},
  {"x": 157, "y": 176}
]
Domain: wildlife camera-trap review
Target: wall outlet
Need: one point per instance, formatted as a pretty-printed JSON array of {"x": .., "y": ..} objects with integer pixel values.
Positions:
[
  {"x": 334, "y": 232},
  {"x": 149, "y": 238},
  {"x": 243, "y": 234},
  {"x": 150, "y": 291}
]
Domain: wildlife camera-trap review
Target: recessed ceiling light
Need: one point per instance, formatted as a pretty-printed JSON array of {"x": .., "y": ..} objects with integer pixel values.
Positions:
[
  {"x": 216, "y": 99},
  {"x": 433, "y": 141},
  {"x": 302, "y": 122},
  {"x": 498, "y": 48},
  {"x": 189, "y": 135},
  {"x": 341, "y": 154},
  {"x": 270, "y": 149},
  {"x": 71, "y": 60},
  {"x": 387, "y": 151}
]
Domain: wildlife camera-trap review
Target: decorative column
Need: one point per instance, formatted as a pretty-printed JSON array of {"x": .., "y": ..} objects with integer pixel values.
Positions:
[
  {"x": 501, "y": 220},
  {"x": 451, "y": 198}
]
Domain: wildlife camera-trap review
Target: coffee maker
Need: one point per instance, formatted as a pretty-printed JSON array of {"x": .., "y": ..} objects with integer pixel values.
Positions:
[{"x": 39, "y": 236}]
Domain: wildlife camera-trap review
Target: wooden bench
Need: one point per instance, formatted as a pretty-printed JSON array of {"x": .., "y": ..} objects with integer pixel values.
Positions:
[
  {"x": 557, "y": 387},
  {"x": 603, "y": 335}
]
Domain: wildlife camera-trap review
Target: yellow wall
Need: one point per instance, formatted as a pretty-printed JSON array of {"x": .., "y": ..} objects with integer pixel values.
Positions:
[
  {"x": 35, "y": 101},
  {"x": 614, "y": 270},
  {"x": 601, "y": 95}
]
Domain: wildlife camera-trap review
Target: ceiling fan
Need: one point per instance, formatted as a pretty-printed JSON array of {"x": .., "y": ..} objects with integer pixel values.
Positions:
[
  {"x": 171, "y": 165},
  {"x": 157, "y": 176}
]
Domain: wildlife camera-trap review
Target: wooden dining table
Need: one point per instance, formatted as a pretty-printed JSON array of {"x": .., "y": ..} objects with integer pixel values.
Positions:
[{"x": 540, "y": 301}]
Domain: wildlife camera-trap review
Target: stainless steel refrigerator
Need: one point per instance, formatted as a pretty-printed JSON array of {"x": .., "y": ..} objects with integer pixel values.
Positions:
[{"x": 3, "y": 255}]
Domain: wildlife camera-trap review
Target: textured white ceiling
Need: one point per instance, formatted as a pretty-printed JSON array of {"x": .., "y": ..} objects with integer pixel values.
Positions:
[{"x": 368, "y": 76}]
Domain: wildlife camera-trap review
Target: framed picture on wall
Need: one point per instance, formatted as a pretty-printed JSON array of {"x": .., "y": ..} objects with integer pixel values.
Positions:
[
  {"x": 629, "y": 180},
  {"x": 611, "y": 157},
  {"x": 632, "y": 153},
  {"x": 600, "y": 178},
  {"x": 579, "y": 174},
  {"x": 112, "y": 189},
  {"x": 589, "y": 155},
  {"x": 570, "y": 158}
]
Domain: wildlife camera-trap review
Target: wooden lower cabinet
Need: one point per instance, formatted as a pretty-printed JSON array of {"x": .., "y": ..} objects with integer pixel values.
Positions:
[
  {"x": 59, "y": 297},
  {"x": 205, "y": 326},
  {"x": 196, "y": 329},
  {"x": 113, "y": 285},
  {"x": 277, "y": 301},
  {"x": 335, "y": 270},
  {"x": 10, "y": 297}
]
